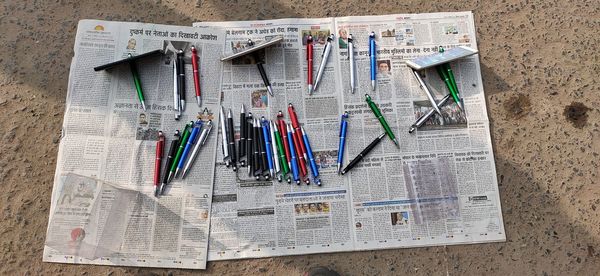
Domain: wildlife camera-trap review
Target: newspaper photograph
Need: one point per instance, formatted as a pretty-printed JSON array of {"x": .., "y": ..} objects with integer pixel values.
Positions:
[
  {"x": 438, "y": 187},
  {"x": 104, "y": 210}
]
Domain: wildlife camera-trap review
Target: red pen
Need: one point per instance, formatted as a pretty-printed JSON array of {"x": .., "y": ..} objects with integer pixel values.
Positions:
[
  {"x": 196, "y": 74},
  {"x": 283, "y": 130},
  {"x": 296, "y": 127},
  {"x": 309, "y": 58},
  {"x": 160, "y": 144},
  {"x": 301, "y": 160}
]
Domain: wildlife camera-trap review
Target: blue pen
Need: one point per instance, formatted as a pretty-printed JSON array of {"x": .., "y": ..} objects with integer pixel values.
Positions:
[
  {"x": 343, "y": 127},
  {"x": 190, "y": 142},
  {"x": 293, "y": 154},
  {"x": 267, "y": 135},
  {"x": 372, "y": 52},
  {"x": 313, "y": 164}
]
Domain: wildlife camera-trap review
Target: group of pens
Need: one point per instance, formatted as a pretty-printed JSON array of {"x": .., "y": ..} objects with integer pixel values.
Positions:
[
  {"x": 179, "y": 81},
  {"x": 182, "y": 154},
  {"x": 270, "y": 149}
]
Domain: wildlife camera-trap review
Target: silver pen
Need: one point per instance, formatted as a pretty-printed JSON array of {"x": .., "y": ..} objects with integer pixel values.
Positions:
[
  {"x": 428, "y": 115},
  {"x": 352, "y": 63},
  {"x": 274, "y": 150},
  {"x": 324, "y": 58},
  {"x": 224, "y": 142},
  {"x": 176, "y": 91},
  {"x": 427, "y": 92},
  {"x": 201, "y": 141}
]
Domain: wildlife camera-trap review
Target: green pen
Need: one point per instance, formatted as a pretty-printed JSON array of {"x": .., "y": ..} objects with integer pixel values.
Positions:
[
  {"x": 184, "y": 138},
  {"x": 451, "y": 77},
  {"x": 379, "y": 116},
  {"x": 280, "y": 149},
  {"x": 137, "y": 81},
  {"x": 444, "y": 77}
]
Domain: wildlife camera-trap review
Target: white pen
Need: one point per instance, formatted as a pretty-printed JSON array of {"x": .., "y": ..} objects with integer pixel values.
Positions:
[
  {"x": 201, "y": 140},
  {"x": 324, "y": 57},
  {"x": 352, "y": 64}
]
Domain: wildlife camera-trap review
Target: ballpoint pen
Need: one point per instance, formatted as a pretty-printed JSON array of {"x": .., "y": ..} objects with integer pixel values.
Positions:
[
  {"x": 196, "y": 68},
  {"x": 352, "y": 63},
  {"x": 172, "y": 151},
  {"x": 231, "y": 140},
  {"x": 297, "y": 137},
  {"x": 373, "y": 57},
  {"x": 362, "y": 154},
  {"x": 249, "y": 142},
  {"x": 276, "y": 163},
  {"x": 137, "y": 81},
  {"x": 294, "y": 163},
  {"x": 281, "y": 151},
  {"x": 176, "y": 102},
  {"x": 427, "y": 91},
  {"x": 283, "y": 130},
  {"x": 188, "y": 146},
  {"x": 261, "y": 70},
  {"x": 268, "y": 147},
  {"x": 160, "y": 144},
  {"x": 444, "y": 76},
  {"x": 181, "y": 79},
  {"x": 242, "y": 142},
  {"x": 381, "y": 119},
  {"x": 428, "y": 115},
  {"x": 448, "y": 70},
  {"x": 324, "y": 58},
  {"x": 256, "y": 157},
  {"x": 224, "y": 141},
  {"x": 182, "y": 143},
  {"x": 311, "y": 159},
  {"x": 201, "y": 141},
  {"x": 309, "y": 59},
  {"x": 294, "y": 118},
  {"x": 264, "y": 166},
  {"x": 343, "y": 128}
]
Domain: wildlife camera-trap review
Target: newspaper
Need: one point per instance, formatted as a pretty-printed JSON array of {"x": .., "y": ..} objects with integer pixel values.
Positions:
[
  {"x": 438, "y": 188},
  {"x": 103, "y": 209}
]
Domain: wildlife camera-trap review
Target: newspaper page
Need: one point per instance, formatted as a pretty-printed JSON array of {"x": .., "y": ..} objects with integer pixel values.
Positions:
[
  {"x": 103, "y": 208},
  {"x": 437, "y": 188}
]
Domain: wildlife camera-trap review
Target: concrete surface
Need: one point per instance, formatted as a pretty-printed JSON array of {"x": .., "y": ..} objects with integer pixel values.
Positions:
[{"x": 540, "y": 64}]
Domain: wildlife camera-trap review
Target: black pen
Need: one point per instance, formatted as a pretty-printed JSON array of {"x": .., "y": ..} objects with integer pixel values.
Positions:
[
  {"x": 231, "y": 140},
  {"x": 261, "y": 69},
  {"x": 256, "y": 149},
  {"x": 362, "y": 154},
  {"x": 242, "y": 141},
  {"x": 181, "y": 79},
  {"x": 172, "y": 151},
  {"x": 249, "y": 142}
]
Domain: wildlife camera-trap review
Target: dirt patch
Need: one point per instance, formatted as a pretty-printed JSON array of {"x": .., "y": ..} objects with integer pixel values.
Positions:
[
  {"x": 517, "y": 106},
  {"x": 576, "y": 113}
]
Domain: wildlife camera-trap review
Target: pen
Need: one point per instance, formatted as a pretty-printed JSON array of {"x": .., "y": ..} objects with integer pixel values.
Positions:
[
  {"x": 195, "y": 67},
  {"x": 264, "y": 166},
  {"x": 176, "y": 101},
  {"x": 313, "y": 164},
  {"x": 231, "y": 140},
  {"x": 268, "y": 148},
  {"x": 283, "y": 130},
  {"x": 324, "y": 58},
  {"x": 427, "y": 91},
  {"x": 276, "y": 164},
  {"x": 452, "y": 80},
  {"x": 297, "y": 137},
  {"x": 188, "y": 147},
  {"x": 224, "y": 141},
  {"x": 242, "y": 142},
  {"x": 181, "y": 79},
  {"x": 281, "y": 150},
  {"x": 261, "y": 70},
  {"x": 444, "y": 77},
  {"x": 160, "y": 144},
  {"x": 137, "y": 81},
  {"x": 352, "y": 63},
  {"x": 294, "y": 163},
  {"x": 343, "y": 128},
  {"x": 428, "y": 115},
  {"x": 172, "y": 150},
  {"x": 201, "y": 141},
  {"x": 309, "y": 58},
  {"x": 294, "y": 118},
  {"x": 182, "y": 143},
  {"x": 362, "y": 154},
  {"x": 372, "y": 55},
  {"x": 379, "y": 116},
  {"x": 256, "y": 155},
  {"x": 249, "y": 142}
]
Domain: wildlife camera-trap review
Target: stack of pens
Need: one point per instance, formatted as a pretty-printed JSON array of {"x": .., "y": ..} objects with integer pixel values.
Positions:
[
  {"x": 182, "y": 153},
  {"x": 269, "y": 149}
]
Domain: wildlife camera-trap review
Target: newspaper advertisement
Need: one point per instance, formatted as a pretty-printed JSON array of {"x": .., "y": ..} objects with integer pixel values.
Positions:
[
  {"x": 438, "y": 187},
  {"x": 104, "y": 210}
]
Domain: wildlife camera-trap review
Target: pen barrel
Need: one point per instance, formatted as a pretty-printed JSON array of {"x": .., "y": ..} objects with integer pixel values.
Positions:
[
  {"x": 172, "y": 150},
  {"x": 249, "y": 142},
  {"x": 323, "y": 63},
  {"x": 293, "y": 161},
  {"x": 194, "y": 153},
  {"x": 181, "y": 76},
  {"x": 421, "y": 120},
  {"x": 136, "y": 80},
  {"x": 263, "y": 73},
  {"x": 182, "y": 143},
  {"x": 340, "y": 158},
  {"x": 451, "y": 77},
  {"x": 268, "y": 148},
  {"x": 311, "y": 159},
  {"x": 309, "y": 53},
  {"x": 444, "y": 77},
  {"x": 243, "y": 134},
  {"x": 381, "y": 119},
  {"x": 158, "y": 162},
  {"x": 281, "y": 151},
  {"x": 188, "y": 146},
  {"x": 352, "y": 64},
  {"x": 364, "y": 152},
  {"x": 286, "y": 145},
  {"x": 373, "y": 57},
  {"x": 175, "y": 87},
  {"x": 276, "y": 163},
  {"x": 261, "y": 150},
  {"x": 196, "y": 69},
  {"x": 297, "y": 144}
]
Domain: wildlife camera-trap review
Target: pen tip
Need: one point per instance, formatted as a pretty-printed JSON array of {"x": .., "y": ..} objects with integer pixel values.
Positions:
[
  {"x": 270, "y": 89},
  {"x": 144, "y": 105},
  {"x": 396, "y": 142},
  {"x": 199, "y": 101}
]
